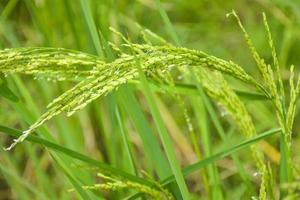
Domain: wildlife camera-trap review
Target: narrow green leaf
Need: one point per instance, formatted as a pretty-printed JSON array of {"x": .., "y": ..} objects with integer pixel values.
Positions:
[
  {"x": 163, "y": 133},
  {"x": 78, "y": 187},
  {"x": 167, "y": 23},
  {"x": 217, "y": 156},
  {"x": 126, "y": 143},
  {"x": 91, "y": 25},
  {"x": 150, "y": 142},
  {"x": 76, "y": 155},
  {"x": 198, "y": 165},
  {"x": 6, "y": 92},
  {"x": 189, "y": 89}
]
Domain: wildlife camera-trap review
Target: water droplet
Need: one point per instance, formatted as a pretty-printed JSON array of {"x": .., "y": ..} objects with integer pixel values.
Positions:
[
  {"x": 224, "y": 113},
  {"x": 256, "y": 174}
]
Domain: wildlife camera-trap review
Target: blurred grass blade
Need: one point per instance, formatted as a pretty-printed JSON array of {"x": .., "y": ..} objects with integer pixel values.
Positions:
[
  {"x": 76, "y": 155},
  {"x": 167, "y": 22},
  {"x": 163, "y": 133},
  {"x": 6, "y": 92},
  {"x": 188, "y": 89},
  {"x": 207, "y": 161},
  {"x": 126, "y": 143},
  {"x": 78, "y": 188},
  {"x": 198, "y": 165},
  {"x": 8, "y": 9},
  {"x": 251, "y": 95},
  {"x": 14, "y": 176},
  {"x": 150, "y": 142},
  {"x": 91, "y": 25}
]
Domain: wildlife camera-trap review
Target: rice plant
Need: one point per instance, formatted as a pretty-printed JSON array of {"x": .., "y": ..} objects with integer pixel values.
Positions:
[{"x": 144, "y": 114}]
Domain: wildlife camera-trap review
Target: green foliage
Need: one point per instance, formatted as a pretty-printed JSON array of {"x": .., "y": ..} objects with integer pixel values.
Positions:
[
  {"x": 100, "y": 77},
  {"x": 113, "y": 184},
  {"x": 132, "y": 129}
]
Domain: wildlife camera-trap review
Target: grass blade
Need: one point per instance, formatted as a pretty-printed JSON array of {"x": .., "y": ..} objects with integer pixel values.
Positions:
[
  {"x": 75, "y": 155},
  {"x": 91, "y": 25},
  {"x": 163, "y": 133},
  {"x": 196, "y": 166},
  {"x": 217, "y": 156}
]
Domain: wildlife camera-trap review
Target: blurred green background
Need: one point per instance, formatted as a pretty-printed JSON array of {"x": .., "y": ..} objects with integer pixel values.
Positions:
[{"x": 30, "y": 172}]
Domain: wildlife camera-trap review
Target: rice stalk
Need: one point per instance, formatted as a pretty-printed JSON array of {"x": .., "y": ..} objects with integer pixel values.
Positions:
[
  {"x": 99, "y": 77},
  {"x": 113, "y": 184},
  {"x": 285, "y": 112}
]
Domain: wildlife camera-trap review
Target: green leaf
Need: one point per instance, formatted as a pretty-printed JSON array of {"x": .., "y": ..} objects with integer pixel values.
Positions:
[
  {"x": 217, "y": 156},
  {"x": 198, "y": 165},
  {"x": 78, "y": 156},
  {"x": 188, "y": 89},
  {"x": 163, "y": 133},
  {"x": 6, "y": 92}
]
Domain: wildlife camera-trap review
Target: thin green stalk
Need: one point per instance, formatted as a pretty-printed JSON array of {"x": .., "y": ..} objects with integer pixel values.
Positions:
[
  {"x": 196, "y": 166},
  {"x": 91, "y": 25},
  {"x": 171, "y": 31},
  {"x": 163, "y": 133},
  {"x": 150, "y": 141},
  {"x": 221, "y": 132},
  {"x": 212, "y": 169},
  {"x": 75, "y": 155},
  {"x": 169, "y": 27},
  {"x": 75, "y": 182},
  {"x": 8, "y": 9},
  {"x": 18, "y": 186},
  {"x": 70, "y": 15},
  {"x": 126, "y": 143},
  {"x": 217, "y": 156}
]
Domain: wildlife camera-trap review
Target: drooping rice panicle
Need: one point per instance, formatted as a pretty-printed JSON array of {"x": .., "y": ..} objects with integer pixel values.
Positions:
[{"x": 100, "y": 78}]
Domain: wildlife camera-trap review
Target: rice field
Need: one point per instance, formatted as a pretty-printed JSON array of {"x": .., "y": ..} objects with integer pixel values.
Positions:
[{"x": 149, "y": 99}]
